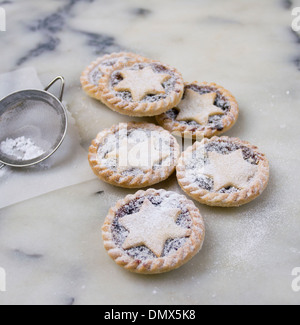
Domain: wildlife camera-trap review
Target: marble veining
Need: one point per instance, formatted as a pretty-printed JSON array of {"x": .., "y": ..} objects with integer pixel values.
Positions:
[
  {"x": 51, "y": 25},
  {"x": 50, "y": 245},
  {"x": 141, "y": 12},
  {"x": 287, "y": 4},
  {"x": 20, "y": 254},
  {"x": 48, "y": 46},
  {"x": 101, "y": 43},
  {"x": 2, "y": 3}
]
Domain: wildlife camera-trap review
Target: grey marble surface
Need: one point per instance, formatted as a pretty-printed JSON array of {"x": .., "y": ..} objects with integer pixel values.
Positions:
[{"x": 50, "y": 245}]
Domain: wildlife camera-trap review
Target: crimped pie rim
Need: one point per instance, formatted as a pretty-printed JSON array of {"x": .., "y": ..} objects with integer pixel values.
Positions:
[
  {"x": 235, "y": 199},
  {"x": 91, "y": 89},
  {"x": 115, "y": 178},
  {"x": 228, "y": 120},
  {"x": 140, "y": 109},
  {"x": 161, "y": 264}
]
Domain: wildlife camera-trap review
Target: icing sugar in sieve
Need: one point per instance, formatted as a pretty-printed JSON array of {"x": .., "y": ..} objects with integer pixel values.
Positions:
[{"x": 33, "y": 125}]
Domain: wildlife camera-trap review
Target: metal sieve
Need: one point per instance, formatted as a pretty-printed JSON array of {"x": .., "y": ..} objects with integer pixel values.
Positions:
[{"x": 33, "y": 125}]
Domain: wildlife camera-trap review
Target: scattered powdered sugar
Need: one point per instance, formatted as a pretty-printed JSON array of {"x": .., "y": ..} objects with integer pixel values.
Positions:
[
  {"x": 214, "y": 121},
  {"x": 196, "y": 161},
  {"x": 164, "y": 201},
  {"x": 95, "y": 75},
  {"x": 104, "y": 67},
  {"x": 168, "y": 85},
  {"x": 245, "y": 237},
  {"x": 138, "y": 149},
  {"x": 221, "y": 101},
  {"x": 21, "y": 149},
  {"x": 194, "y": 168}
]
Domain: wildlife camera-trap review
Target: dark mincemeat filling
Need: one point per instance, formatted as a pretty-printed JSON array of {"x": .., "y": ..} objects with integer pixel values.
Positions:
[
  {"x": 215, "y": 121},
  {"x": 228, "y": 147},
  {"x": 109, "y": 63},
  {"x": 97, "y": 74},
  {"x": 225, "y": 148},
  {"x": 157, "y": 166},
  {"x": 169, "y": 85},
  {"x": 142, "y": 252}
]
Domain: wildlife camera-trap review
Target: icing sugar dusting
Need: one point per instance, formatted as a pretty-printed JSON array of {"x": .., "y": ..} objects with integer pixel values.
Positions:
[
  {"x": 244, "y": 238},
  {"x": 164, "y": 201},
  {"x": 197, "y": 163},
  {"x": 135, "y": 139},
  {"x": 169, "y": 85},
  {"x": 21, "y": 149},
  {"x": 104, "y": 66}
]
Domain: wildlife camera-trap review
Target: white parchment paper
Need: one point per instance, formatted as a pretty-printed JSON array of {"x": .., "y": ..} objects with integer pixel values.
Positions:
[{"x": 68, "y": 166}]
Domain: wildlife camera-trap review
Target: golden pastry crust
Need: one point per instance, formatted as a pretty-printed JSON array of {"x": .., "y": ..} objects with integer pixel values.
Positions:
[
  {"x": 256, "y": 185},
  {"x": 197, "y": 131},
  {"x": 136, "y": 178},
  {"x": 103, "y": 65},
  {"x": 146, "y": 107},
  {"x": 153, "y": 264}
]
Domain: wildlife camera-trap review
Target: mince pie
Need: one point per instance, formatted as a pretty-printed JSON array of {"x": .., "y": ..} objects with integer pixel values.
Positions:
[
  {"x": 223, "y": 171},
  {"x": 205, "y": 110},
  {"x": 100, "y": 67},
  {"x": 134, "y": 155},
  {"x": 141, "y": 88},
  {"x": 153, "y": 232}
]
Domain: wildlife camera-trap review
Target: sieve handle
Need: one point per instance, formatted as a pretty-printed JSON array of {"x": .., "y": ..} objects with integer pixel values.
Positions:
[{"x": 59, "y": 78}]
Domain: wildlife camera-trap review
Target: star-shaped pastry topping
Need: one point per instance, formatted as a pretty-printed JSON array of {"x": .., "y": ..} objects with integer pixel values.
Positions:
[
  {"x": 142, "y": 155},
  {"x": 141, "y": 83},
  {"x": 229, "y": 170},
  {"x": 151, "y": 227},
  {"x": 198, "y": 108}
]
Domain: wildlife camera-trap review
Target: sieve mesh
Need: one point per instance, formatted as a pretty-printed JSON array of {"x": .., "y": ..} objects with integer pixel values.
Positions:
[{"x": 32, "y": 126}]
